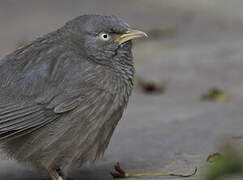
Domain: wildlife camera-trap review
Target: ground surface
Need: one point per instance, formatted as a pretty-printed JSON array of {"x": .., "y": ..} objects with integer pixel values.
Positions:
[{"x": 175, "y": 131}]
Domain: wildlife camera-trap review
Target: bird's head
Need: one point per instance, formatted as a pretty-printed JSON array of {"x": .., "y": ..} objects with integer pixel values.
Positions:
[{"x": 101, "y": 38}]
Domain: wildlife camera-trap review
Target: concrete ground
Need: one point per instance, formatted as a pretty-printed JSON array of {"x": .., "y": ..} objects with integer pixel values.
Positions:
[{"x": 192, "y": 46}]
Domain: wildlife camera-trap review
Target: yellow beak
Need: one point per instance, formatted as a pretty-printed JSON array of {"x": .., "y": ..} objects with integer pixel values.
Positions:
[{"x": 129, "y": 35}]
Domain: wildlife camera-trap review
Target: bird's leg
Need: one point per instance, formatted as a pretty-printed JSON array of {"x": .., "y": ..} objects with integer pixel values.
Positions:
[
  {"x": 56, "y": 174},
  {"x": 120, "y": 173}
]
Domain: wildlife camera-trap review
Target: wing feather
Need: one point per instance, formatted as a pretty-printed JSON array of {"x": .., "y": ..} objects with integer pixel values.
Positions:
[
  {"x": 13, "y": 115},
  {"x": 22, "y": 120},
  {"x": 8, "y": 108},
  {"x": 8, "y": 135}
]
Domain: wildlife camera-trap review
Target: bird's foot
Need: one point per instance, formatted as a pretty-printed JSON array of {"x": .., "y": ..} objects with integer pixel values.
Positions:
[
  {"x": 120, "y": 173},
  {"x": 56, "y": 174}
]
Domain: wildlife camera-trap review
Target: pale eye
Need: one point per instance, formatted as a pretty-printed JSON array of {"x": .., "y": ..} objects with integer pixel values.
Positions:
[{"x": 104, "y": 36}]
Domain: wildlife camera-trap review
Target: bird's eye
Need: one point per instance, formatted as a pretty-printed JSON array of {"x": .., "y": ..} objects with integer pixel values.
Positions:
[{"x": 104, "y": 36}]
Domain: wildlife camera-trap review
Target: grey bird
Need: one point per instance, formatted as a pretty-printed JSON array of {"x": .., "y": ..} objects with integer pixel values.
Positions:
[{"x": 63, "y": 94}]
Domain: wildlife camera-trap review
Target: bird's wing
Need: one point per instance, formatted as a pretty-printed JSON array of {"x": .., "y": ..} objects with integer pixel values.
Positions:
[
  {"x": 20, "y": 119},
  {"x": 37, "y": 91}
]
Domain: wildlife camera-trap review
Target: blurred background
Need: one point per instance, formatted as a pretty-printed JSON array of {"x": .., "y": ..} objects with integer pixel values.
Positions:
[{"x": 188, "y": 95}]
